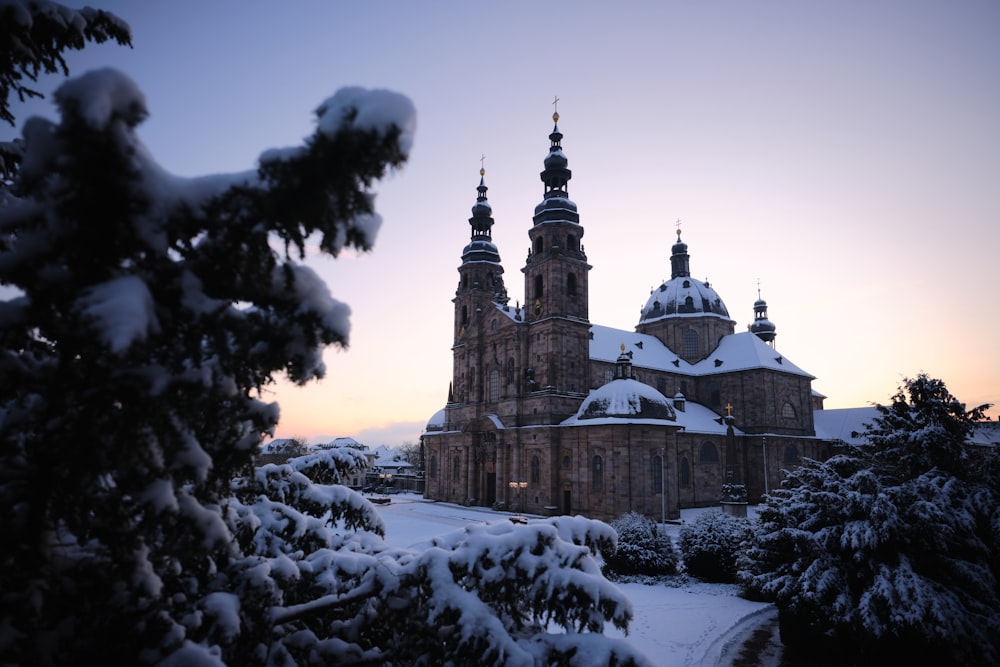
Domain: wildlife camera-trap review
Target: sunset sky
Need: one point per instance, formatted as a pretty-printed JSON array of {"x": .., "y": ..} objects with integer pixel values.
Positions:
[{"x": 845, "y": 155}]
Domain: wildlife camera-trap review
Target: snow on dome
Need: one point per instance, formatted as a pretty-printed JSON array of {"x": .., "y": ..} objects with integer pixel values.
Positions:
[
  {"x": 683, "y": 296},
  {"x": 625, "y": 399},
  {"x": 102, "y": 96},
  {"x": 436, "y": 422},
  {"x": 375, "y": 110}
]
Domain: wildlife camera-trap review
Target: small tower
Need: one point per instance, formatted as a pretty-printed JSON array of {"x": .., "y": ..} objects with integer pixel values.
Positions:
[
  {"x": 762, "y": 327},
  {"x": 556, "y": 279},
  {"x": 480, "y": 285},
  {"x": 556, "y": 270}
]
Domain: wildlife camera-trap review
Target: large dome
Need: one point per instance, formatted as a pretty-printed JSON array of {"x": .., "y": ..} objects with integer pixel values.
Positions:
[
  {"x": 626, "y": 399},
  {"x": 683, "y": 296}
]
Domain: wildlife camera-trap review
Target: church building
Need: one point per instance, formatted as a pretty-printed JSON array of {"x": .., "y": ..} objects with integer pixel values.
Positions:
[{"x": 549, "y": 413}]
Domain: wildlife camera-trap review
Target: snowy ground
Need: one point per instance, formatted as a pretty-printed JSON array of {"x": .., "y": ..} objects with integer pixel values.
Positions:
[{"x": 698, "y": 624}]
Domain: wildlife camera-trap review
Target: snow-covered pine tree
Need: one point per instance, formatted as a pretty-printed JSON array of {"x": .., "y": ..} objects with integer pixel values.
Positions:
[
  {"x": 33, "y": 37},
  {"x": 888, "y": 551},
  {"x": 149, "y": 313}
]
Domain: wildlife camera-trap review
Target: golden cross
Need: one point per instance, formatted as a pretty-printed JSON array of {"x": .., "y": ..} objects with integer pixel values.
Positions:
[{"x": 729, "y": 410}]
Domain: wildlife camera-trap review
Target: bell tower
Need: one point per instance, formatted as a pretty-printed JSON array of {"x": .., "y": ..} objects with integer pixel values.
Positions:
[
  {"x": 556, "y": 271},
  {"x": 480, "y": 284},
  {"x": 556, "y": 285}
]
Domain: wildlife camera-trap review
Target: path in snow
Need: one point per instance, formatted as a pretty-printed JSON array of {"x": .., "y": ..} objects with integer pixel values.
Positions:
[{"x": 698, "y": 624}]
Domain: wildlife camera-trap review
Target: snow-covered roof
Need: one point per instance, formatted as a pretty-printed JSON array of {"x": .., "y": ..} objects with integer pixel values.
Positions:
[
  {"x": 696, "y": 418},
  {"x": 388, "y": 462},
  {"x": 683, "y": 296},
  {"x": 342, "y": 441},
  {"x": 436, "y": 422},
  {"x": 736, "y": 352},
  {"x": 647, "y": 351},
  {"x": 625, "y": 398},
  {"x": 843, "y": 424},
  {"x": 986, "y": 433},
  {"x": 745, "y": 351},
  {"x": 276, "y": 446}
]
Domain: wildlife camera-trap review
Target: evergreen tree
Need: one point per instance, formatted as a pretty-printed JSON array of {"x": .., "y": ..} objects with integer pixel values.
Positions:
[
  {"x": 888, "y": 550},
  {"x": 33, "y": 37}
]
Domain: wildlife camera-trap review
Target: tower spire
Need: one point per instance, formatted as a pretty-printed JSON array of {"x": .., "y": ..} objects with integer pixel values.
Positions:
[
  {"x": 680, "y": 261},
  {"x": 762, "y": 327},
  {"x": 482, "y": 213}
]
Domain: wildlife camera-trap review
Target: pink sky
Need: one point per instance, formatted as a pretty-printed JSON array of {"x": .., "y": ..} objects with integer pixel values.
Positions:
[{"x": 846, "y": 155}]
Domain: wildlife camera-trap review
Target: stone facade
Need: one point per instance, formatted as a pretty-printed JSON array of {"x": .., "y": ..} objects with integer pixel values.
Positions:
[{"x": 523, "y": 428}]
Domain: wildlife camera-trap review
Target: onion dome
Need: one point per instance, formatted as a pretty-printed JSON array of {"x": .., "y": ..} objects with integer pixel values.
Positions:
[
  {"x": 481, "y": 247},
  {"x": 626, "y": 398},
  {"x": 762, "y": 327},
  {"x": 682, "y": 295},
  {"x": 556, "y": 205}
]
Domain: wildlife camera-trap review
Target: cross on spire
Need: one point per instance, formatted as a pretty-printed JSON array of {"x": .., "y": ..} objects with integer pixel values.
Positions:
[
  {"x": 555, "y": 109},
  {"x": 678, "y": 225},
  {"x": 482, "y": 165},
  {"x": 729, "y": 410}
]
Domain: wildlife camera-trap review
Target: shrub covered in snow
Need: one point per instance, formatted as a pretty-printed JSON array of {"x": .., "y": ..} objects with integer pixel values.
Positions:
[
  {"x": 711, "y": 544},
  {"x": 643, "y": 548},
  {"x": 888, "y": 552}
]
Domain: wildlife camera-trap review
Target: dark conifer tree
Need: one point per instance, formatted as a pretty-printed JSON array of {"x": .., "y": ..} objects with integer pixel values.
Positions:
[{"x": 888, "y": 551}]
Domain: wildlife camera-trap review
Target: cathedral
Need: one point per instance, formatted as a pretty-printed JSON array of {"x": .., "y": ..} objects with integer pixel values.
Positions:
[{"x": 549, "y": 413}]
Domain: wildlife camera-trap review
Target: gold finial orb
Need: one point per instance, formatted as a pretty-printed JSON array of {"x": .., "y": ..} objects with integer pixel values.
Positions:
[
  {"x": 678, "y": 232},
  {"x": 555, "y": 117},
  {"x": 623, "y": 348},
  {"x": 482, "y": 171}
]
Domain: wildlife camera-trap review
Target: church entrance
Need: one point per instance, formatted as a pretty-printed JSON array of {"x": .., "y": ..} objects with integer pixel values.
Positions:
[
  {"x": 491, "y": 489},
  {"x": 567, "y": 508}
]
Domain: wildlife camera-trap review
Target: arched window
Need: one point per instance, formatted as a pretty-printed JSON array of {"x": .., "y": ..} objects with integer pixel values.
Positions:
[
  {"x": 494, "y": 385},
  {"x": 539, "y": 287},
  {"x": 656, "y": 474},
  {"x": 536, "y": 470},
  {"x": 465, "y": 315},
  {"x": 539, "y": 244},
  {"x": 597, "y": 473},
  {"x": 685, "y": 472},
  {"x": 434, "y": 466},
  {"x": 571, "y": 284},
  {"x": 692, "y": 348},
  {"x": 714, "y": 393},
  {"x": 707, "y": 453},
  {"x": 566, "y": 461},
  {"x": 787, "y": 411},
  {"x": 791, "y": 453}
]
